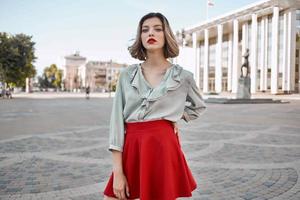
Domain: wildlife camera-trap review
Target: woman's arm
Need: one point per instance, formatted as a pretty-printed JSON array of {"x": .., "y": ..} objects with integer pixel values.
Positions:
[
  {"x": 196, "y": 105},
  {"x": 120, "y": 185},
  {"x": 117, "y": 161},
  {"x": 116, "y": 141},
  {"x": 117, "y": 129}
]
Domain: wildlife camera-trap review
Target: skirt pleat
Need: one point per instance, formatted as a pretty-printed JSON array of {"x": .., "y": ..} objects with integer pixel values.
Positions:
[{"x": 153, "y": 163}]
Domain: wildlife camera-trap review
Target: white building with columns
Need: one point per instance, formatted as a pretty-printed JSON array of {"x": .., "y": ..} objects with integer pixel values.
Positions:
[{"x": 270, "y": 29}]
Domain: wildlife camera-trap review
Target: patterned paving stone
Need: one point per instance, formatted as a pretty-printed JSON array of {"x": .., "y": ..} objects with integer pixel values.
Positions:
[
  {"x": 275, "y": 139},
  {"x": 89, "y": 197},
  {"x": 195, "y": 147},
  {"x": 246, "y": 184},
  {"x": 208, "y": 136},
  {"x": 7, "y": 116},
  {"x": 289, "y": 130},
  {"x": 36, "y": 144},
  {"x": 234, "y": 127},
  {"x": 100, "y": 132},
  {"x": 39, "y": 175},
  {"x": 241, "y": 153},
  {"x": 92, "y": 153},
  {"x": 2, "y": 158},
  {"x": 235, "y": 153}
]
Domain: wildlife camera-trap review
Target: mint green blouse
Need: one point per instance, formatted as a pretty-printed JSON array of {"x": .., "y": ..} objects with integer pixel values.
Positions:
[{"x": 176, "y": 97}]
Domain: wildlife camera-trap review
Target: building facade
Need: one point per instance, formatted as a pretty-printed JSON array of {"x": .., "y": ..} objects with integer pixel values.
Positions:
[
  {"x": 98, "y": 75},
  {"x": 269, "y": 29},
  {"x": 70, "y": 75}
]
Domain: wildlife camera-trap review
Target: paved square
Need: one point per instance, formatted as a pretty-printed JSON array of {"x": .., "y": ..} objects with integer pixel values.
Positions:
[{"x": 57, "y": 149}]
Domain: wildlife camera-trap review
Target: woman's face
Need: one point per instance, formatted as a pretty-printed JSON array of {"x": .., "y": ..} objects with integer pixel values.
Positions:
[{"x": 152, "y": 34}]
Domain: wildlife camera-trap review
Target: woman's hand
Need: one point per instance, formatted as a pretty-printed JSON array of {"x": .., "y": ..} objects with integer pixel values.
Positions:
[
  {"x": 120, "y": 186},
  {"x": 176, "y": 131},
  {"x": 175, "y": 128}
]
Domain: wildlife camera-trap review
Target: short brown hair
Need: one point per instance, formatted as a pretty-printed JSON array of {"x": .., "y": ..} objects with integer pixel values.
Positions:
[{"x": 171, "y": 50}]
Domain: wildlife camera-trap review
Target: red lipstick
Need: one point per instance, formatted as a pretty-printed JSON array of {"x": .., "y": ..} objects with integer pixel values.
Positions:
[{"x": 151, "y": 40}]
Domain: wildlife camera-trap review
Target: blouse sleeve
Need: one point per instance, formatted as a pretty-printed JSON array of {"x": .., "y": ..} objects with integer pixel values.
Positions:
[
  {"x": 195, "y": 105},
  {"x": 116, "y": 130}
]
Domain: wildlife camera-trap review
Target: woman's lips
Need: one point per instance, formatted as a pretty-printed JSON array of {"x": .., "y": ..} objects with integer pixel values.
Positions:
[{"x": 151, "y": 41}]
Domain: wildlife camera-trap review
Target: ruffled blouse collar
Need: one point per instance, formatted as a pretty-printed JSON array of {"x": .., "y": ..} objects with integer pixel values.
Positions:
[{"x": 170, "y": 81}]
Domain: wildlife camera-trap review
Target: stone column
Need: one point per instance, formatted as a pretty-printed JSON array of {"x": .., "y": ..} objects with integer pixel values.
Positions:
[
  {"x": 196, "y": 58},
  {"x": 27, "y": 85},
  {"x": 206, "y": 64},
  {"x": 218, "y": 65},
  {"x": 291, "y": 49},
  {"x": 229, "y": 72},
  {"x": 235, "y": 57},
  {"x": 284, "y": 57},
  {"x": 265, "y": 72},
  {"x": 262, "y": 54},
  {"x": 253, "y": 54},
  {"x": 274, "y": 53}
]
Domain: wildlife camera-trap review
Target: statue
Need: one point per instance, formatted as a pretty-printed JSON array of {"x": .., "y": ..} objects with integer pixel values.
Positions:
[
  {"x": 244, "y": 82},
  {"x": 245, "y": 65}
]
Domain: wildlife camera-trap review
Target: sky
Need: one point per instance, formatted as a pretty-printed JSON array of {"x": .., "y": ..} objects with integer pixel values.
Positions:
[{"x": 100, "y": 30}]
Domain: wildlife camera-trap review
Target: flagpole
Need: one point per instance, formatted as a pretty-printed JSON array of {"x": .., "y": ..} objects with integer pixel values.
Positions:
[
  {"x": 209, "y": 3},
  {"x": 206, "y": 9}
]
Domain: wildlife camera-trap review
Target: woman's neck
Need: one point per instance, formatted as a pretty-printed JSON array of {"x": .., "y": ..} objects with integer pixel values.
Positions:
[{"x": 156, "y": 60}]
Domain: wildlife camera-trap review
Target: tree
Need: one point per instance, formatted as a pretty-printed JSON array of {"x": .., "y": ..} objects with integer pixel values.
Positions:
[
  {"x": 52, "y": 77},
  {"x": 16, "y": 58}
]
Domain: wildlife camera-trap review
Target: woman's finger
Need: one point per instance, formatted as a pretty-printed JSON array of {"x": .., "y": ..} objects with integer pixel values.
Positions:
[
  {"x": 122, "y": 195},
  {"x": 117, "y": 194},
  {"x": 127, "y": 190}
]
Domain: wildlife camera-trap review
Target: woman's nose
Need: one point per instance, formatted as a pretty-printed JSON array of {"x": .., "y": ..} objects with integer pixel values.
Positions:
[{"x": 151, "y": 32}]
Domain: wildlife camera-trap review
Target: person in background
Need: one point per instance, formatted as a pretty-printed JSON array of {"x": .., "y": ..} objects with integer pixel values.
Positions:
[
  {"x": 87, "y": 92},
  {"x": 8, "y": 93},
  {"x": 2, "y": 92}
]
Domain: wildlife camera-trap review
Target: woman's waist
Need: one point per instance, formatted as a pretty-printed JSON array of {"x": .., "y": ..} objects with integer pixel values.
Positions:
[{"x": 147, "y": 125}]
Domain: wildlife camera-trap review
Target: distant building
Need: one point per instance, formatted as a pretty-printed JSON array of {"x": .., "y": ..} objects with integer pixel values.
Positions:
[
  {"x": 99, "y": 75},
  {"x": 71, "y": 79},
  {"x": 269, "y": 29}
]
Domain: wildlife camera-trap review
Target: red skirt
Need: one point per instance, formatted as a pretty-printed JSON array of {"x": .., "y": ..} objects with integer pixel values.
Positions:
[{"x": 153, "y": 163}]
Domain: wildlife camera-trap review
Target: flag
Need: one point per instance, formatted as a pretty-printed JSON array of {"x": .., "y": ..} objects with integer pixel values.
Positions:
[{"x": 210, "y": 3}]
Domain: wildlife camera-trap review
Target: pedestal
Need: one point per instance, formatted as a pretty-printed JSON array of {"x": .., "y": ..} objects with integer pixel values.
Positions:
[{"x": 244, "y": 88}]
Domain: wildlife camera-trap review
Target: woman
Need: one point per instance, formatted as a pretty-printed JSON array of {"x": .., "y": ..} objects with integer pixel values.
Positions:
[{"x": 148, "y": 162}]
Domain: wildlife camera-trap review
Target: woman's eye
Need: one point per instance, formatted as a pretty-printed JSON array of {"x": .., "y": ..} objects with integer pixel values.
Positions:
[
  {"x": 158, "y": 29},
  {"x": 144, "y": 30}
]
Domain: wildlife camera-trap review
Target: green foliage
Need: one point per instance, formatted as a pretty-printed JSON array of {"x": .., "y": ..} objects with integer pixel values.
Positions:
[
  {"x": 16, "y": 58},
  {"x": 52, "y": 77}
]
